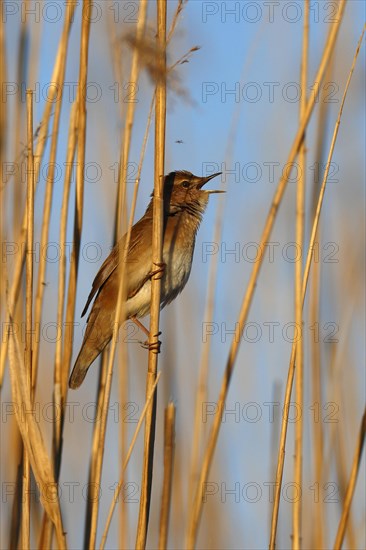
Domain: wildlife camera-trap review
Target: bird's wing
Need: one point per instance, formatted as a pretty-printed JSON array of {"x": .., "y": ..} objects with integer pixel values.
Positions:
[
  {"x": 139, "y": 256},
  {"x": 108, "y": 266},
  {"x": 138, "y": 260}
]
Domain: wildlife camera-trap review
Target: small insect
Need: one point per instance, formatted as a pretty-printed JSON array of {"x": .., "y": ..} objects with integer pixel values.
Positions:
[{"x": 179, "y": 141}]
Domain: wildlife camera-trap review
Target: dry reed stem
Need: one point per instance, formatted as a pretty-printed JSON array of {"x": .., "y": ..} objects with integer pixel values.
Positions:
[
  {"x": 339, "y": 436},
  {"x": 300, "y": 198},
  {"x": 157, "y": 256},
  {"x": 282, "y": 445},
  {"x": 139, "y": 169},
  {"x": 60, "y": 388},
  {"x": 317, "y": 539},
  {"x": 3, "y": 133},
  {"x": 46, "y": 531},
  {"x": 48, "y": 205},
  {"x": 169, "y": 445},
  {"x": 25, "y": 522},
  {"x": 351, "y": 484},
  {"x": 123, "y": 386},
  {"x": 98, "y": 441},
  {"x": 41, "y": 144},
  {"x": 179, "y": 9},
  {"x": 97, "y": 445},
  {"x": 81, "y": 142},
  {"x": 70, "y": 155},
  {"x": 96, "y": 459},
  {"x": 22, "y": 59},
  {"x": 252, "y": 283},
  {"x": 19, "y": 201},
  {"x": 121, "y": 207},
  {"x": 318, "y": 436},
  {"x": 125, "y": 463},
  {"x": 32, "y": 437},
  {"x": 126, "y": 140},
  {"x": 17, "y": 198},
  {"x": 3, "y": 109},
  {"x": 79, "y": 198}
]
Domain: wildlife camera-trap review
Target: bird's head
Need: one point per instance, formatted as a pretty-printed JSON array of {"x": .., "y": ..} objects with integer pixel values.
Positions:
[{"x": 185, "y": 192}]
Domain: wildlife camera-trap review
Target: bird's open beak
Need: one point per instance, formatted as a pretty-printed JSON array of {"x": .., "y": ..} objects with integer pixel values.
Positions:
[{"x": 205, "y": 180}]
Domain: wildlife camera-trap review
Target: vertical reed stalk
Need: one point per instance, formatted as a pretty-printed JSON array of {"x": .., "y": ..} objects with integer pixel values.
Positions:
[
  {"x": 120, "y": 224},
  {"x": 157, "y": 245},
  {"x": 297, "y": 508},
  {"x": 46, "y": 532},
  {"x": 97, "y": 455},
  {"x": 70, "y": 155},
  {"x": 3, "y": 115},
  {"x": 126, "y": 461},
  {"x": 123, "y": 368},
  {"x": 3, "y": 134},
  {"x": 169, "y": 444},
  {"x": 316, "y": 378},
  {"x": 29, "y": 311},
  {"x": 78, "y": 215},
  {"x": 60, "y": 387},
  {"x": 18, "y": 202},
  {"x": 318, "y": 517},
  {"x": 48, "y": 202},
  {"x": 22, "y": 65},
  {"x": 131, "y": 106}
]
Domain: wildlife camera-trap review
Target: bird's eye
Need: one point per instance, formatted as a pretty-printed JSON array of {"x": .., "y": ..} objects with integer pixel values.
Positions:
[{"x": 185, "y": 184}]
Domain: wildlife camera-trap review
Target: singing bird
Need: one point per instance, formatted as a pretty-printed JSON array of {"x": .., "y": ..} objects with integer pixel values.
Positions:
[{"x": 185, "y": 201}]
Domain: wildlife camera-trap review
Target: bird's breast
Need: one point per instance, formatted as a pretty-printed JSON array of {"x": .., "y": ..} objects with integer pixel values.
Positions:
[
  {"x": 178, "y": 251},
  {"x": 178, "y": 261}
]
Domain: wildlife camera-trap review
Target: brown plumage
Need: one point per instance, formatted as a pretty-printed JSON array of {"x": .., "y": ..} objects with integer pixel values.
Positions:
[{"x": 184, "y": 204}]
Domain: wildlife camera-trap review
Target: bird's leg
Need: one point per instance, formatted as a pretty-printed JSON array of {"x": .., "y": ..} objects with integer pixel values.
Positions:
[
  {"x": 153, "y": 346},
  {"x": 140, "y": 325},
  {"x": 158, "y": 273}
]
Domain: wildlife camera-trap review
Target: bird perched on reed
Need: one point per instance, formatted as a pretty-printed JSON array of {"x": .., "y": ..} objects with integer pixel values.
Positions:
[{"x": 185, "y": 201}]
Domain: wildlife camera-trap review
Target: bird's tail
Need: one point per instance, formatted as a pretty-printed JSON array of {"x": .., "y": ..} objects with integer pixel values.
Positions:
[{"x": 98, "y": 333}]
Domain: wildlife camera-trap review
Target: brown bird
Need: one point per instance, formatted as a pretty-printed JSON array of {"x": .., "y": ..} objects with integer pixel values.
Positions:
[{"x": 185, "y": 202}]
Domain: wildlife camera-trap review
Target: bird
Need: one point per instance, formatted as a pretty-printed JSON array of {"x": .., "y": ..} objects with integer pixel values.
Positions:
[{"x": 184, "y": 202}]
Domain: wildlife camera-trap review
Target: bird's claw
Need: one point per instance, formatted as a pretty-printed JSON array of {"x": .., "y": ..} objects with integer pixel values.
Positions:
[
  {"x": 159, "y": 271},
  {"x": 152, "y": 346}
]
